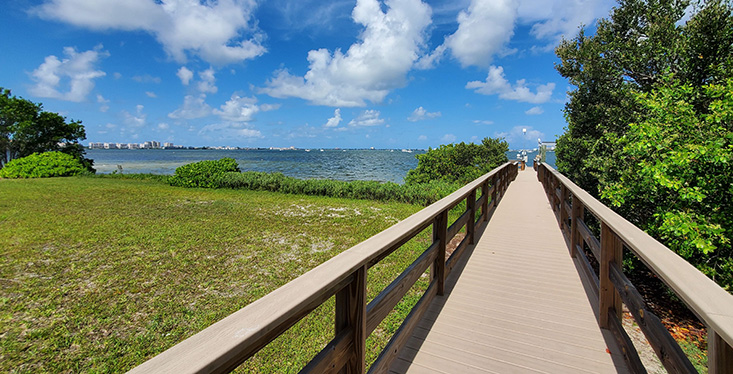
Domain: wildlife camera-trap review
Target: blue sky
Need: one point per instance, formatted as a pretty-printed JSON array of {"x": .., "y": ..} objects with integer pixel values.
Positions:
[{"x": 303, "y": 73}]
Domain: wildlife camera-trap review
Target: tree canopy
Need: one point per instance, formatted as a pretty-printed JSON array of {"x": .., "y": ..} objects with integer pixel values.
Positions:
[
  {"x": 460, "y": 162},
  {"x": 25, "y": 128},
  {"x": 650, "y": 123},
  {"x": 641, "y": 42}
]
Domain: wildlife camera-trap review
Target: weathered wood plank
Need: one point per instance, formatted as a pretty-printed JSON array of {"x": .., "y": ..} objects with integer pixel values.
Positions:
[
  {"x": 590, "y": 239},
  {"x": 334, "y": 356},
  {"x": 720, "y": 354},
  {"x": 351, "y": 315},
  {"x": 611, "y": 254},
  {"x": 631, "y": 356},
  {"x": 381, "y": 305},
  {"x": 667, "y": 349},
  {"x": 403, "y": 334},
  {"x": 712, "y": 304}
]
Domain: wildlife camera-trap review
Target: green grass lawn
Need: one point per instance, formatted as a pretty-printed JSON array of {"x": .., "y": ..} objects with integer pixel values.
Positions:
[{"x": 100, "y": 274}]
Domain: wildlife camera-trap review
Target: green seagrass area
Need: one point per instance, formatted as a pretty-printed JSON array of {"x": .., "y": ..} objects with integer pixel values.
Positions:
[{"x": 100, "y": 274}]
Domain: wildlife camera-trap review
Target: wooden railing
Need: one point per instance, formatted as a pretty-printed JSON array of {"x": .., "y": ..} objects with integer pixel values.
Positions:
[
  {"x": 228, "y": 343},
  {"x": 712, "y": 304}
]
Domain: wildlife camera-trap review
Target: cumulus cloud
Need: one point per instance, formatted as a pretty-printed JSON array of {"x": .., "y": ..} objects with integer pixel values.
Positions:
[
  {"x": 422, "y": 138},
  {"x": 335, "y": 120},
  {"x": 151, "y": 94},
  {"x": 219, "y": 32},
  {"x": 184, "y": 75},
  {"x": 76, "y": 71},
  {"x": 104, "y": 103},
  {"x": 483, "y": 30},
  {"x": 193, "y": 107},
  {"x": 238, "y": 109},
  {"x": 368, "y": 118},
  {"x": 553, "y": 19},
  {"x": 135, "y": 120},
  {"x": 388, "y": 47},
  {"x": 420, "y": 114},
  {"x": 207, "y": 82},
  {"x": 534, "y": 111},
  {"x": 496, "y": 84}
]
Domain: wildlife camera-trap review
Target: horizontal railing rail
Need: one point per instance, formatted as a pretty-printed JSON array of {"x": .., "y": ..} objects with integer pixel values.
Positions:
[
  {"x": 711, "y": 303},
  {"x": 229, "y": 342}
]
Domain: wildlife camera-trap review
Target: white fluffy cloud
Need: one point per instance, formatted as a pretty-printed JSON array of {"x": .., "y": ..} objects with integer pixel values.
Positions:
[
  {"x": 483, "y": 30},
  {"x": 207, "y": 82},
  {"x": 216, "y": 31},
  {"x": 420, "y": 114},
  {"x": 335, "y": 120},
  {"x": 496, "y": 84},
  {"x": 184, "y": 75},
  {"x": 238, "y": 109},
  {"x": 193, "y": 107},
  {"x": 104, "y": 103},
  {"x": 448, "y": 138},
  {"x": 135, "y": 120},
  {"x": 552, "y": 19},
  {"x": 534, "y": 111},
  {"x": 388, "y": 47},
  {"x": 76, "y": 71},
  {"x": 368, "y": 118}
]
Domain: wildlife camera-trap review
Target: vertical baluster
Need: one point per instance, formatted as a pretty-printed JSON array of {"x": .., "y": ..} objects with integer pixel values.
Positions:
[
  {"x": 720, "y": 354},
  {"x": 485, "y": 204},
  {"x": 577, "y": 212},
  {"x": 471, "y": 208},
  {"x": 440, "y": 235},
  {"x": 563, "y": 211},
  {"x": 351, "y": 314},
  {"x": 611, "y": 252}
]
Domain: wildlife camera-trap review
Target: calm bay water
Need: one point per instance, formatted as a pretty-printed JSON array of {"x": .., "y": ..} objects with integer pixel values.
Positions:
[{"x": 379, "y": 165}]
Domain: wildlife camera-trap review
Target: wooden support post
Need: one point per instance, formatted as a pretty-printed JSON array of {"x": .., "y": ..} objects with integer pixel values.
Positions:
[
  {"x": 471, "y": 208},
  {"x": 485, "y": 205},
  {"x": 440, "y": 235},
  {"x": 720, "y": 354},
  {"x": 563, "y": 211},
  {"x": 578, "y": 210},
  {"x": 351, "y": 314},
  {"x": 611, "y": 252},
  {"x": 494, "y": 193}
]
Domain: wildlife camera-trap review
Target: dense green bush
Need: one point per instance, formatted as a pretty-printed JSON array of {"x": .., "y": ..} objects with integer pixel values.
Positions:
[
  {"x": 458, "y": 163},
  {"x": 43, "y": 165},
  {"x": 675, "y": 172},
  {"x": 203, "y": 173}
]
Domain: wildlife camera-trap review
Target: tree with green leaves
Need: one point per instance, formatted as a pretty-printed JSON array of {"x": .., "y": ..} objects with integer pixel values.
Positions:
[
  {"x": 640, "y": 43},
  {"x": 25, "y": 128},
  {"x": 675, "y": 173},
  {"x": 460, "y": 162}
]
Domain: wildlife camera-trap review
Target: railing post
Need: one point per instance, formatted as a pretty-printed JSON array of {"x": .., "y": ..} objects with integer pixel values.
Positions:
[
  {"x": 351, "y": 314},
  {"x": 611, "y": 252},
  {"x": 576, "y": 214},
  {"x": 494, "y": 183},
  {"x": 440, "y": 235},
  {"x": 563, "y": 211},
  {"x": 720, "y": 354},
  {"x": 485, "y": 204},
  {"x": 471, "y": 225}
]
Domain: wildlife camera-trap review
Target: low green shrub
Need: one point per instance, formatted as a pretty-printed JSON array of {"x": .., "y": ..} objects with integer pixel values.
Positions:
[
  {"x": 419, "y": 193},
  {"x": 43, "y": 165},
  {"x": 203, "y": 173}
]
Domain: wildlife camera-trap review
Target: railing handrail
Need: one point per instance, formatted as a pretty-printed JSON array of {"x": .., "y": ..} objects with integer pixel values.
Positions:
[
  {"x": 221, "y": 346},
  {"x": 710, "y": 302}
]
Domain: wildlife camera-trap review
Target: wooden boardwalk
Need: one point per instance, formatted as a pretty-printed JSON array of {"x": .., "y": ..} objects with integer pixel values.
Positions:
[{"x": 515, "y": 304}]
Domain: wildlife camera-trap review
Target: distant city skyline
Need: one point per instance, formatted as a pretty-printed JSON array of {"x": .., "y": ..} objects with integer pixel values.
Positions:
[{"x": 303, "y": 73}]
